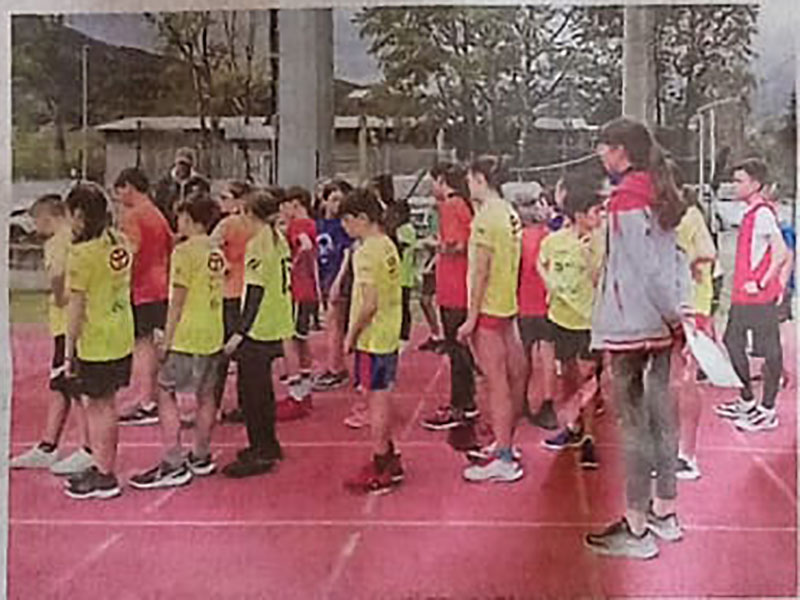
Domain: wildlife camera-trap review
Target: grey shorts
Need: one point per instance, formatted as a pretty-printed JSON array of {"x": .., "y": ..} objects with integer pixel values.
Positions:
[{"x": 189, "y": 373}]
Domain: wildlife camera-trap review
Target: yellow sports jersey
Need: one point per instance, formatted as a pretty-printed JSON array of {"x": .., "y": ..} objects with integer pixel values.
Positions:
[
  {"x": 695, "y": 240},
  {"x": 568, "y": 264},
  {"x": 377, "y": 263},
  {"x": 198, "y": 266},
  {"x": 268, "y": 264},
  {"x": 101, "y": 269},
  {"x": 56, "y": 250},
  {"x": 497, "y": 227}
]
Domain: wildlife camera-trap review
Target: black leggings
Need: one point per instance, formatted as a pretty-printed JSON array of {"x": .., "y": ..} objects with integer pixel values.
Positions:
[
  {"x": 405, "y": 323},
  {"x": 462, "y": 364},
  {"x": 231, "y": 312},
  {"x": 256, "y": 396}
]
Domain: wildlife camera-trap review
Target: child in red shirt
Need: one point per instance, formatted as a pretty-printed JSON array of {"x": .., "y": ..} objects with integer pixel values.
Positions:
[{"x": 302, "y": 237}]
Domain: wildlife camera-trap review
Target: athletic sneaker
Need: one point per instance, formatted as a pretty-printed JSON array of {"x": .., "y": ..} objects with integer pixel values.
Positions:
[
  {"x": 431, "y": 345},
  {"x": 588, "y": 458},
  {"x": 566, "y": 439},
  {"x": 369, "y": 480},
  {"x": 234, "y": 416},
  {"x": 330, "y": 381},
  {"x": 77, "y": 462},
  {"x": 757, "y": 419},
  {"x": 35, "y": 458},
  {"x": 93, "y": 484},
  {"x": 140, "y": 416},
  {"x": 667, "y": 528},
  {"x": 545, "y": 417},
  {"x": 443, "y": 419},
  {"x": 395, "y": 469},
  {"x": 494, "y": 469},
  {"x": 162, "y": 475},
  {"x": 358, "y": 417},
  {"x": 472, "y": 413},
  {"x": 248, "y": 465},
  {"x": 619, "y": 540},
  {"x": 735, "y": 409},
  {"x": 463, "y": 438},
  {"x": 200, "y": 466},
  {"x": 488, "y": 451},
  {"x": 290, "y": 409},
  {"x": 687, "y": 469}
]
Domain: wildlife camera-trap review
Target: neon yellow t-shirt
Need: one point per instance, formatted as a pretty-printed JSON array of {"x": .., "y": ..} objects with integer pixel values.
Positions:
[
  {"x": 407, "y": 236},
  {"x": 101, "y": 269},
  {"x": 268, "y": 264},
  {"x": 198, "y": 266},
  {"x": 695, "y": 240},
  {"x": 56, "y": 250},
  {"x": 376, "y": 263},
  {"x": 568, "y": 264},
  {"x": 497, "y": 227}
]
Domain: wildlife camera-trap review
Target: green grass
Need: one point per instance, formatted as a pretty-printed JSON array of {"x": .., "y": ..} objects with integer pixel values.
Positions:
[{"x": 28, "y": 307}]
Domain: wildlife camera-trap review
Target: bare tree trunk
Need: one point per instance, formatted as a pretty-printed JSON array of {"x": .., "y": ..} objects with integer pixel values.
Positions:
[{"x": 61, "y": 168}]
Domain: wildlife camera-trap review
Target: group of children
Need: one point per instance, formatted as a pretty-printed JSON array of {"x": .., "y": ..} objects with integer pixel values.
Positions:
[{"x": 590, "y": 292}]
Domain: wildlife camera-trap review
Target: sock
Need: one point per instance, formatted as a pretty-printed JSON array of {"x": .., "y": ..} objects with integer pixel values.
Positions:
[
  {"x": 505, "y": 454},
  {"x": 47, "y": 447}
]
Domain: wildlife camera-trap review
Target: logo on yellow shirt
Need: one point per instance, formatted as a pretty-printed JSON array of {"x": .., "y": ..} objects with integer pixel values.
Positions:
[
  {"x": 119, "y": 259},
  {"x": 216, "y": 262}
]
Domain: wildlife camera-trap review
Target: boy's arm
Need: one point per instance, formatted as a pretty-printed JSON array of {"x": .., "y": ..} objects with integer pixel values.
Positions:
[
  {"x": 176, "y": 303},
  {"x": 76, "y": 314},
  {"x": 477, "y": 290},
  {"x": 58, "y": 287},
  {"x": 369, "y": 307}
]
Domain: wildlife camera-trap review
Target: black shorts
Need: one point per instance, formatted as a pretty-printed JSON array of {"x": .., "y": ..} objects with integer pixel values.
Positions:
[
  {"x": 428, "y": 284},
  {"x": 58, "y": 374},
  {"x": 573, "y": 343},
  {"x": 97, "y": 379},
  {"x": 303, "y": 313},
  {"x": 148, "y": 317},
  {"x": 535, "y": 329}
]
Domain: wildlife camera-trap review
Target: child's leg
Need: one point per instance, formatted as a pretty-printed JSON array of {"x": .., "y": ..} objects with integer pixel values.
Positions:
[
  {"x": 380, "y": 410},
  {"x": 690, "y": 406},
  {"x": 517, "y": 370},
  {"x": 490, "y": 348},
  {"x": 169, "y": 419},
  {"x": 204, "y": 422},
  {"x": 101, "y": 416},
  {"x": 57, "y": 412},
  {"x": 583, "y": 372}
]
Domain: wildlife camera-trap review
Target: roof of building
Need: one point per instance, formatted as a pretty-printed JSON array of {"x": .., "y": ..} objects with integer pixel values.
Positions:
[{"x": 234, "y": 127}]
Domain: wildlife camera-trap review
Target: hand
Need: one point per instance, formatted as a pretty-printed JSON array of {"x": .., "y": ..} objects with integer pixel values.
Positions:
[
  {"x": 161, "y": 350},
  {"x": 233, "y": 344},
  {"x": 466, "y": 330},
  {"x": 349, "y": 343},
  {"x": 751, "y": 287}
]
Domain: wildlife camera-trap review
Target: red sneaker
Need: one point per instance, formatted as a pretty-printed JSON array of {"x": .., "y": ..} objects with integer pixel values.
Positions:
[
  {"x": 371, "y": 481},
  {"x": 290, "y": 409}
]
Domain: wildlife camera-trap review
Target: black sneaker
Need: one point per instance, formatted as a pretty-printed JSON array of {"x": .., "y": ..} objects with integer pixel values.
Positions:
[
  {"x": 619, "y": 540},
  {"x": 162, "y": 475},
  {"x": 431, "y": 345},
  {"x": 248, "y": 453},
  {"x": 248, "y": 466},
  {"x": 588, "y": 459},
  {"x": 200, "y": 466},
  {"x": 330, "y": 381},
  {"x": 233, "y": 416},
  {"x": 545, "y": 417},
  {"x": 472, "y": 413},
  {"x": 93, "y": 484},
  {"x": 443, "y": 419},
  {"x": 566, "y": 439},
  {"x": 140, "y": 416}
]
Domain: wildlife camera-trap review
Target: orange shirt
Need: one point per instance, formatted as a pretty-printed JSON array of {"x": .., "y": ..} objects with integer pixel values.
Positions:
[
  {"x": 150, "y": 237},
  {"x": 231, "y": 236}
]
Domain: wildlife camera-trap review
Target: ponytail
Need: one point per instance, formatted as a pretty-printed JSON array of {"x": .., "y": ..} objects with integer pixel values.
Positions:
[{"x": 645, "y": 154}]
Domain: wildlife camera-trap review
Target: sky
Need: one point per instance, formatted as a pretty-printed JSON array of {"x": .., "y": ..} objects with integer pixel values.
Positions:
[{"x": 774, "y": 44}]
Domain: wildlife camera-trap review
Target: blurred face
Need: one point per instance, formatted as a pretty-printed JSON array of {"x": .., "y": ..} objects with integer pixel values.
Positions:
[
  {"x": 124, "y": 194},
  {"x": 286, "y": 210},
  {"x": 227, "y": 202},
  {"x": 594, "y": 217},
  {"x": 477, "y": 185},
  {"x": 438, "y": 188},
  {"x": 184, "y": 224},
  {"x": 614, "y": 158},
  {"x": 333, "y": 203},
  {"x": 77, "y": 223},
  {"x": 355, "y": 226},
  {"x": 44, "y": 222},
  {"x": 746, "y": 186},
  {"x": 183, "y": 169}
]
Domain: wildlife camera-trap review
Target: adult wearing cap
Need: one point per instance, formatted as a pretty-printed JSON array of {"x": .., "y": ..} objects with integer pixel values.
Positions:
[{"x": 179, "y": 184}]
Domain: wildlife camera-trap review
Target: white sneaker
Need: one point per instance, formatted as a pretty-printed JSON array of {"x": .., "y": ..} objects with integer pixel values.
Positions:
[
  {"x": 758, "y": 419},
  {"x": 77, "y": 462},
  {"x": 494, "y": 470},
  {"x": 35, "y": 458},
  {"x": 735, "y": 409},
  {"x": 687, "y": 469}
]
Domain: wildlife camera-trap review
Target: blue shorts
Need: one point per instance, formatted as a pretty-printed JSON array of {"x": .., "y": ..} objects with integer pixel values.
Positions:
[{"x": 375, "y": 372}]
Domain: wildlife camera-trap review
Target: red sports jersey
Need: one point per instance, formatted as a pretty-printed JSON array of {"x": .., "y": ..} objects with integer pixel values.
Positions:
[
  {"x": 151, "y": 238},
  {"x": 455, "y": 218},
  {"x": 531, "y": 293},
  {"x": 304, "y": 262}
]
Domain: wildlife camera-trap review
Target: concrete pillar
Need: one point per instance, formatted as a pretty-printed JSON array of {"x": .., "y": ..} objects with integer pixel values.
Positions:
[
  {"x": 639, "y": 64},
  {"x": 305, "y": 96}
]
